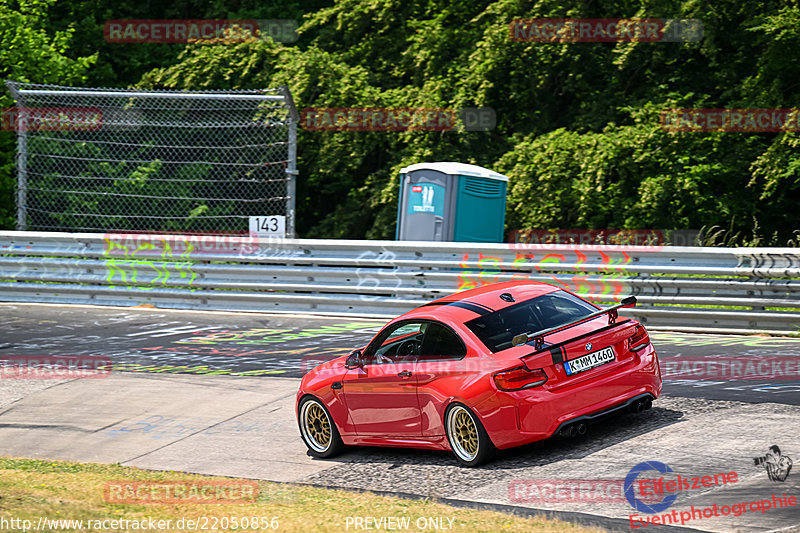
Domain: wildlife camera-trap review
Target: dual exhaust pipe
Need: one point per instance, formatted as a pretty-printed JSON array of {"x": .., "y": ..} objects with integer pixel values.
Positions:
[
  {"x": 579, "y": 428},
  {"x": 640, "y": 405}
]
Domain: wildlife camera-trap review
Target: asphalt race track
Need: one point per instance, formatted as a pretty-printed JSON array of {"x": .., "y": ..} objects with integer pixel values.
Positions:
[
  {"x": 214, "y": 393},
  {"x": 178, "y": 342}
]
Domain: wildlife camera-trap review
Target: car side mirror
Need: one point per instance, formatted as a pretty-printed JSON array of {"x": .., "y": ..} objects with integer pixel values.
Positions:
[{"x": 354, "y": 360}]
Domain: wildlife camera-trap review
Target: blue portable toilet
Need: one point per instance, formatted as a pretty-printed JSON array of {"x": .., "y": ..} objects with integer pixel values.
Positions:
[{"x": 448, "y": 201}]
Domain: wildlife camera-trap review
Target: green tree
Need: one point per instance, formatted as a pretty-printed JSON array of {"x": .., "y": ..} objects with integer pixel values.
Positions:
[
  {"x": 29, "y": 52},
  {"x": 578, "y": 123}
]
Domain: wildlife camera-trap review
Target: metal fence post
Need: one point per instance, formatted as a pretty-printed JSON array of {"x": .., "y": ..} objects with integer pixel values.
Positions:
[
  {"x": 22, "y": 181},
  {"x": 291, "y": 166},
  {"x": 291, "y": 184},
  {"x": 22, "y": 164}
]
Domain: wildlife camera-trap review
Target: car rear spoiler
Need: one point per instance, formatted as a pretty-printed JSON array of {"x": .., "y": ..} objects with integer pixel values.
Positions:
[{"x": 538, "y": 337}]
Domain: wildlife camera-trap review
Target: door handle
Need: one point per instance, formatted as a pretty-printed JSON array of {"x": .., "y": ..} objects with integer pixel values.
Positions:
[{"x": 404, "y": 374}]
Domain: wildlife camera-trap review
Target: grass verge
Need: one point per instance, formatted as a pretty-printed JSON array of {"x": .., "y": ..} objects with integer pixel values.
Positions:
[{"x": 31, "y": 489}]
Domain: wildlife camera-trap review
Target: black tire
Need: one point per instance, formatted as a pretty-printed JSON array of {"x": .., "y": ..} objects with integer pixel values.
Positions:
[
  {"x": 318, "y": 429},
  {"x": 467, "y": 437}
]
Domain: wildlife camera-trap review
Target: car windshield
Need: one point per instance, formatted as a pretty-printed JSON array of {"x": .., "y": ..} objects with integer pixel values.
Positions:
[{"x": 496, "y": 329}]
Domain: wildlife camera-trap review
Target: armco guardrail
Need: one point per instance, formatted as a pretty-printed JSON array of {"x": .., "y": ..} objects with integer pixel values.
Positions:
[{"x": 702, "y": 289}]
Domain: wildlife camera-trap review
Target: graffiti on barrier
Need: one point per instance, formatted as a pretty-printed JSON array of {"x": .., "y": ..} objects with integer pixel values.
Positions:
[
  {"x": 132, "y": 256},
  {"x": 607, "y": 284},
  {"x": 384, "y": 276},
  {"x": 145, "y": 261}
]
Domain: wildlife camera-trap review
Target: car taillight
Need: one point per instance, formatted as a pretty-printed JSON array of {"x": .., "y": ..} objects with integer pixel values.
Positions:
[
  {"x": 519, "y": 378},
  {"x": 639, "y": 339}
]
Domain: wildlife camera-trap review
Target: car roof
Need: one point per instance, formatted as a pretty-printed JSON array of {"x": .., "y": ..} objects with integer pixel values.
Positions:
[{"x": 472, "y": 303}]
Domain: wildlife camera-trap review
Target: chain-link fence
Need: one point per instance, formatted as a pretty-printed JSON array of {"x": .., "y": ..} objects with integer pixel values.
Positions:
[{"x": 154, "y": 161}]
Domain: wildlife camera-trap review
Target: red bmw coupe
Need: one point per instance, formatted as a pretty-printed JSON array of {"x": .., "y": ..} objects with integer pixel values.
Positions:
[{"x": 489, "y": 368}]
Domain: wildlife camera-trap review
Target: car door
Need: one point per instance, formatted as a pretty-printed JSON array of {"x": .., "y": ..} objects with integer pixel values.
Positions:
[
  {"x": 381, "y": 396},
  {"x": 441, "y": 372}
]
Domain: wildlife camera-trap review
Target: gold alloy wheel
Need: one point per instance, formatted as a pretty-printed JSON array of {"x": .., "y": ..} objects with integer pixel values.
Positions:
[
  {"x": 463, "y": 433},
  {"x": 316, "y": 426}
]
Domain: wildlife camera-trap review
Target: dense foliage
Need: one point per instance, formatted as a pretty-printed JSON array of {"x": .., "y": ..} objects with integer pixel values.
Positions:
[
  {"x": 577, "y": 123},
  {"x": 31, "y": 50}
]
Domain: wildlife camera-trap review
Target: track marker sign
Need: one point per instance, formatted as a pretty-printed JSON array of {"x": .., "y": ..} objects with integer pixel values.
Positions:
[{"x": 268, "y": 226}]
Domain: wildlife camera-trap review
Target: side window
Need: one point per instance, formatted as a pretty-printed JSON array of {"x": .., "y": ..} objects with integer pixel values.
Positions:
[
  {"x": 441, "y": 344},
  {"x": 399, "y": 343}
]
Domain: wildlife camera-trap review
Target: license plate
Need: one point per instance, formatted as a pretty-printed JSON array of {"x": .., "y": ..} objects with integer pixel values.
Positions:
[{"x": 590, "y": 360}]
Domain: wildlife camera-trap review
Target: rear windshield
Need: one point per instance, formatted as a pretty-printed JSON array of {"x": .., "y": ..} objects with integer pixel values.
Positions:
[{"x": 497, "y": 329}]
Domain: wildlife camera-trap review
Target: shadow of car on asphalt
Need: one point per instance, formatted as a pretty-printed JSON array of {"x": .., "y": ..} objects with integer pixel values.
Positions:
[{"x": 604, "y": 433}]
